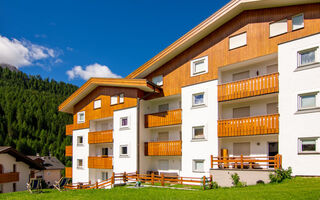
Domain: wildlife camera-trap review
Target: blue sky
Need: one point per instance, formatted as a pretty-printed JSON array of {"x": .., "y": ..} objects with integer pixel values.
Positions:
[{"x": 111, "y": 37}]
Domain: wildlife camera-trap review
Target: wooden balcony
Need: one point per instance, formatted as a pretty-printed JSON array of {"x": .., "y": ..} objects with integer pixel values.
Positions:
[
  {"x": 69, "y": 129},
  {"x": 9, "y": 177},
  {"x": 68, "y": 172},
  {"x": 171, "y": 117},
  {"x": 249, "y": 87},
  {"x": 100, "y": 137},
  {"x": 68, "y": 150},
  {"x": 100, "y": 162},
  {"x": 168, "y": 148},
  {"x": 259, "y": 125}
]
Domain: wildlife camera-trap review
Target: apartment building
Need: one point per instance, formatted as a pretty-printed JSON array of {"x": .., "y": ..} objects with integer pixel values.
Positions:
[{"x": 241, "y": 83}]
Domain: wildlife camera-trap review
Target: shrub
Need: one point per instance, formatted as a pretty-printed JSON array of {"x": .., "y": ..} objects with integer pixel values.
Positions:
[
  {"x": 236, "y": 180},
  {"x": 260, "y": 182},
  {"x": 214, "y": 185},
  {"x": 280, "y": 175}
]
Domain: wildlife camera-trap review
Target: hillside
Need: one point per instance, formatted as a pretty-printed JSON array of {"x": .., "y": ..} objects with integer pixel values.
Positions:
[{"x": 29, "y": 117}]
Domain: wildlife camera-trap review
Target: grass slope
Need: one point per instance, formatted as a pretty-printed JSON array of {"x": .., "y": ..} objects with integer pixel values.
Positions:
[{"x": 297, "y": 188}]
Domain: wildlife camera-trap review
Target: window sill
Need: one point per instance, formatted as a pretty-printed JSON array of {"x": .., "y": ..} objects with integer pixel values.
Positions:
[
  {"x": 80, "y": 145},
  {"x": 80, "y": 122},
  {"x": 308, "y": 110},
  {"x": 308, "y": 66},
  {"x": 79, "y": 167},
  {"x": 199, "y": 140},
  {"x": 198, "y": 73},
  {"x": 198, "y": 171},
  {"x": 307, "y": 153},
  {"x": 198, "y": 106},
  {"x": 124, "y": 156},
  {"x": 124, "y": 128}
]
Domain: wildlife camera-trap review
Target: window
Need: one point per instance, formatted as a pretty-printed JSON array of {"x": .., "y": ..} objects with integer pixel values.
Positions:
[
  {"x": 104, "y": 151},
  {"x": 240, "y": 76},
  {"x": 272, "y": 108},
  {"x": 121, "y": 98},
  {"x": 114, "y": 100},
  {"x": 198, "y": 132},
  {"x": 104, "y": 175},
  {"x": 308, "y": 145},
  {"x": 97, "y": 104},
  {"x": 158, "y": 80},
  {"x": 241, "y": 112},
  {"x": 163, "y": 164},
  {"x": 199, "y": 66},
  {"x": 306, "y": 57},
  {"x": 307, "y": 101},
  {"x": 124, "y": 122},
  {"x": 80, "y": 163},
  {"x": 123, "y": 150},
  {"x": 81, "y": 117},
  {"x": 278, "y": 28},
  {"x": 163, "y": 107},
  {"x": 241, "y": 149},
  {"x": 297, "y": 21},
  {"x": 238, "y": 40},
  {"x": 198, "y": 165},
  {"x": 80, "y": 140},
  {"x": 198, "y": 99}
]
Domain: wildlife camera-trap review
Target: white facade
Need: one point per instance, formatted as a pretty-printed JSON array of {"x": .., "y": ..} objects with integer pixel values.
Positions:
[
  {"x": 298, "y": 123},
  {"x": 205, "y": 115}
]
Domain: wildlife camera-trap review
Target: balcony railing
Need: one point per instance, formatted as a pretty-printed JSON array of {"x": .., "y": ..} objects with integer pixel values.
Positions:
[
  {"x": 168, "y": 148},
  {"x": 100, "y": 137},
  {"x": 249, "y": 87},
  {"x": 259, "y": 125},
  {"x": 69, "y": 129},
  {"x": 69, "y": 150},
  {"x": 9, "y": 177},
  {"x": 68, "y": 172},
  {"x": 171, "y": 117},
  {"x": 100, "y": 162}
]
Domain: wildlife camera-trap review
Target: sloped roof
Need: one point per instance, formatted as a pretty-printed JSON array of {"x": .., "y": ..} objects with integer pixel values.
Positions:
[
  {"x": 226, "y": 13},
  {"x": 19, "y": 156},
  {"x": 48, "y": 162}
]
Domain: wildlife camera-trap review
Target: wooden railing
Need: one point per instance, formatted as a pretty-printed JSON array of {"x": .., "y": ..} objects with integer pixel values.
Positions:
[
  {"x": 69, "y": 129},
  {"x": 166, "y": 118},
  {"x": 168, "y": 148},
  {"x": 9, "y": 177},
  {"x": 259, "y": 125},
  {"x": 100, "y": 137},
  {"x": 100, "y": 162},
  {"x": 247, "y": 162},
  {"x": 249, "y": 87},
  {"x": 69, "y": 150},
  {"x": 68, "y": 172}
]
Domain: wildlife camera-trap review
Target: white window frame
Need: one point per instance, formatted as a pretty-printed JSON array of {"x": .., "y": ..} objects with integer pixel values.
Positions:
[
  {"x": 78, "y": 138},
  {"x": 124, "y": 145},
  {"x": 97, "y": 104},
  {"x": 193, "y": 132},
  {"x": 193, "y": 99},
  {"x": 317, "y": 144},
  {"x": 194, "y": 165},
  {"x": 112, "y": 97},
  {"x": 121, "y": 98},
  {"x": 280, "y": 33},
  {"x": 127, "y": 126},
  {"x": 234, "y": 38},
  {"x": 78, "y": 117},
  {"x": 316, "y": 59},
  {"x": 300, "y": 14},
  {"x": 156, "y": 81},
  {"x": 192, "y": 66},
  {"x": 78, "y": 161},
  {"x": 307, "y": 94}
]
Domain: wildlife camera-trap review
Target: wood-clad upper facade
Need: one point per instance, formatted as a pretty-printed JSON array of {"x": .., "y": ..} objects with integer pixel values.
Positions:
[{"x": 176, "y": 72}]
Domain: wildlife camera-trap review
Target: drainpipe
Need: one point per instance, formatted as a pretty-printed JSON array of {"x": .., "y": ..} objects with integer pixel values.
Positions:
[{"x": 138, "y": 135}]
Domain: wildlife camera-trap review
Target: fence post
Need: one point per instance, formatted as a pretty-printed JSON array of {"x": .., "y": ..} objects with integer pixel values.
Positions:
[
  {"x": 152, "y": 178},
  {"x": 162, "y": 179},
  {"x": 211, "y": 161},
  {"x": 211, "y": 180},
  {"x": 124, "y": 177},
  {"x": 181, "y": 180},
  {"x": 89, "y": 182},
  {"x": 280, "y": 161},
  {"x": 241, "y": 158},
  {"x": 96, "y": 184},
  {"x": 204, "y": 182},
  {"x": 112, "y": 179},
  {"x": 137, "y": 175}
]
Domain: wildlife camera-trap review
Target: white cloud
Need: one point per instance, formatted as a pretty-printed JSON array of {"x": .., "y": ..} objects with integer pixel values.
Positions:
[
  {"x": 23, "y": 53},
  {"x": 93, "y": 70}
]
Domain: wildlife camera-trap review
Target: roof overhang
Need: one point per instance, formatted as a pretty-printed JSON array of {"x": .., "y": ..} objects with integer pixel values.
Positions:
[
  {"x": 226, "y": 13},
  {"x": 93, "y": 83}
]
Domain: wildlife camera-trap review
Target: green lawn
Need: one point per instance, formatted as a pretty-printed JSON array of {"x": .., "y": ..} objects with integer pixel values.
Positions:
[{"x": 297, "y": 188}]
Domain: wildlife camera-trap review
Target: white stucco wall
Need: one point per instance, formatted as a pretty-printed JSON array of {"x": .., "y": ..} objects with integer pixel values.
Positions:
[
  {"x": 7, "y": 161},
  {"x": 293, "y": 125},
  {"x": 80, "y": 152},
  {"x": 125, "y": 136},
  {"x": 207, "y": 116}
]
